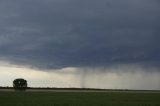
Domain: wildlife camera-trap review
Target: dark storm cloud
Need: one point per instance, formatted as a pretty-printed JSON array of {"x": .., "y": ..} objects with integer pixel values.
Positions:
[{"x": 79, "y": 33}]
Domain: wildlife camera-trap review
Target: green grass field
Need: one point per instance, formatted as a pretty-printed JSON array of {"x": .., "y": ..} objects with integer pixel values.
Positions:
[{"x": 78, "y": 99}]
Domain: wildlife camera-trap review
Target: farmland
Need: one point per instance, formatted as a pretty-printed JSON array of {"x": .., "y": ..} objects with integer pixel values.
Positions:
[{"x": 48, "y": 98}]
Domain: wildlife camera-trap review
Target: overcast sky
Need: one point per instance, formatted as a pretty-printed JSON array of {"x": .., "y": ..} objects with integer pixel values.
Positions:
[{"x": 76, "y": 42}]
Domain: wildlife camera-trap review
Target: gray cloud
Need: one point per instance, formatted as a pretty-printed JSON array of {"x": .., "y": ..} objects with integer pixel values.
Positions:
[{"x": 83, "y": 33}]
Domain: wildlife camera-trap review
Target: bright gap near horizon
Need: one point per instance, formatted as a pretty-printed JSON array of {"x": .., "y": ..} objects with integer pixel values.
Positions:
[{"x": 135, "y": 78}]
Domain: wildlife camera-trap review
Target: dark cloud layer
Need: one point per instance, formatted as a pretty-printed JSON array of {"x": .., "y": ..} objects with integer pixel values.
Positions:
[{"x": 79, "y": 33}]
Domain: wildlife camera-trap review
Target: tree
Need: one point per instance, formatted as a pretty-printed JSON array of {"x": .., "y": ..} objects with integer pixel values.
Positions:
[{"x": 20, "y": 84}]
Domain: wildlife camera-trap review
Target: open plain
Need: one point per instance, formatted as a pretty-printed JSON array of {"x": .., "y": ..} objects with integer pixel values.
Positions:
[{"x": 40, "y": 97}]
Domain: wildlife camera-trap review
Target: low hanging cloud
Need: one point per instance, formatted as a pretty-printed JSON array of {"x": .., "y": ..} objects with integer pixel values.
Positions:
[{"x": 55, "y": 34}]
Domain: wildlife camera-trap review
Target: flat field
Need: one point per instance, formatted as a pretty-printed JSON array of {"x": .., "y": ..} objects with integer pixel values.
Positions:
[{"x": 79, "y": 98}]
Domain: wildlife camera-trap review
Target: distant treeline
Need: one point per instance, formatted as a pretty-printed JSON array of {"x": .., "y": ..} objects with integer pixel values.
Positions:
[
  {"x": 54, "y": 88},
  {"x": 6, "y": 87}
]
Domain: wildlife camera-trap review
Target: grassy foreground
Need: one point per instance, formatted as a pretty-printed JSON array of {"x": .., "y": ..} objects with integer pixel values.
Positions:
[{"x": 78, "y": 99}]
